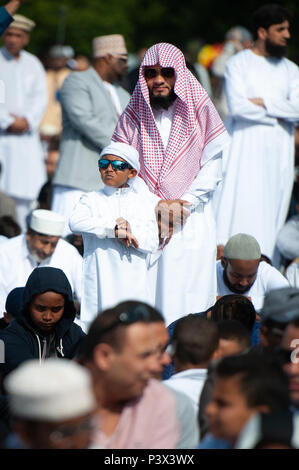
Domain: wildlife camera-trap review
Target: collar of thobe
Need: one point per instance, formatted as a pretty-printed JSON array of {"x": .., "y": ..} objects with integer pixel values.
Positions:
[
  {"x": 195, "y": 374},
  {"x": 110, "y": 191},
  {"x": 8, "y": 55}
]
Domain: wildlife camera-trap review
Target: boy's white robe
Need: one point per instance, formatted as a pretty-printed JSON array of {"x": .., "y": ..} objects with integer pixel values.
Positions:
[{"x": 113, "y": 273}]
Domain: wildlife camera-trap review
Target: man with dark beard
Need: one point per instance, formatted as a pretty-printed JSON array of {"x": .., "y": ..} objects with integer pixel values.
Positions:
[
  {"x": 262, "y": 88},
  {"x": 179, "y": 135},
  {"x": 241, "y": 271}
]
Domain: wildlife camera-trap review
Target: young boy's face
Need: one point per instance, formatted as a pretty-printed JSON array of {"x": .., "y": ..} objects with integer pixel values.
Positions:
[
  {"x": 228, "y": 410},
  {"x": 116, "y": 177}
]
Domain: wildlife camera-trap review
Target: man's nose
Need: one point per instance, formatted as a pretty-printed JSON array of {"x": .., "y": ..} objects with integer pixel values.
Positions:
[
  {"x": 48, "y": 250},
  {"x": 47, "y": 316},
  {"x": 244, "y": 282}
]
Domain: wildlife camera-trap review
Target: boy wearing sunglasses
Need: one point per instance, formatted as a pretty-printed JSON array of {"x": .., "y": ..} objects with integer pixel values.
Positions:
[{"x": 119, "y": 229}]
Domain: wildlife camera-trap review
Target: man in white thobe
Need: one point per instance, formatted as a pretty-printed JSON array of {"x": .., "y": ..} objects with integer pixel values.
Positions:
[
  {"x": 241, "y": 271},
  {"x": 22, "y": 106},
  {"x": 41, "y": 246},
  {"x": 180, "y": 137},
  {"x": 262, "y": 89}
]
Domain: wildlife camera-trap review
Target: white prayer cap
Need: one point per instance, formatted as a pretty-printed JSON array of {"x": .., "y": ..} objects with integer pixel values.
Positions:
[
  {"x": 21, "y": 22},
  {"x": 113, "y": 44},
  {"x": 47, "y": 222},
  {"x": 242, "y": 246},
  {"x": 56, "y": 390},
  {"x": 124, "y": 151}
]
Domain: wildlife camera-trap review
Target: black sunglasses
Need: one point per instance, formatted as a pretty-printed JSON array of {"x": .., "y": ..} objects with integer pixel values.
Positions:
[
  {"x": 116, "y": 164},
  {"x": 138, "y": 313},
  {"x": 166, "y": 72}
]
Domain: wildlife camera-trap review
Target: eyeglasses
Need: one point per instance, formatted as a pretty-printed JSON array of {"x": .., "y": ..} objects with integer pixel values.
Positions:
[
  {"x": 138, "y": 313},
  {"x": 66, "y": 432},
  {"x": 166, "y": 72},
  {"x": 117, "y": 165}
]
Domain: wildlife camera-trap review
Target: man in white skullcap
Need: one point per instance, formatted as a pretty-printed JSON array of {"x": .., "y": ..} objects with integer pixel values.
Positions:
[
  {"x": 41, "y": 246},
  {"x": 241, "y": 271},
  {"x": 22, "y": 106},
  {"x": 92, "y": 102},
  {"x": 51, "y": 405},
  {"x": 119, "y": 230}
]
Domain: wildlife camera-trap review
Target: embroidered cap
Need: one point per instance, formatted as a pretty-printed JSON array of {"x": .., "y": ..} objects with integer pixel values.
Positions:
[
  {"x": 47, "y": 222},
  {"x": 113, "y": 44},
  {"x": 56, "y": 390},
  {"x": 21, "y": 22}
]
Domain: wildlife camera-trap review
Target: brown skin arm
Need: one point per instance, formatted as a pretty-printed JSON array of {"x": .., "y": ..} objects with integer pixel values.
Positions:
[
  {"x": 13, "y": 6},
  {"x": 258, "y": 102}
]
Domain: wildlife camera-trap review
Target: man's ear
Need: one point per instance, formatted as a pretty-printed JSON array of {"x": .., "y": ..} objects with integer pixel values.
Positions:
[
  {"x": 132, "y": 173},
  {"x": 262, "y": 33},
  {"x": 223, "y": 262},
  {"x": 102, "y": 356}
]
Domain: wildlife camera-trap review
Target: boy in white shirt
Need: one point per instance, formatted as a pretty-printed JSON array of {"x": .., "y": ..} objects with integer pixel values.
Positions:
[{"x": 119, "y": 229}]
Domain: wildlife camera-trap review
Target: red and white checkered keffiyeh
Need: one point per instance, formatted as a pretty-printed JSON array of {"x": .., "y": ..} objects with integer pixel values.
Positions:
[{"x": 170, "y": 172}]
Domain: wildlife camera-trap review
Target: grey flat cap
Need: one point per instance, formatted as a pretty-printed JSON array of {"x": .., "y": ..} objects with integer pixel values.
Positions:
[
  {"x": 242, "y": 246},
  {"x": 281, "y": 305}
]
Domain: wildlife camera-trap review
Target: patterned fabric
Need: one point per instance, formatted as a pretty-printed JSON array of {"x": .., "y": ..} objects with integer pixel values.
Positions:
[{"x": 170, "y": 172}]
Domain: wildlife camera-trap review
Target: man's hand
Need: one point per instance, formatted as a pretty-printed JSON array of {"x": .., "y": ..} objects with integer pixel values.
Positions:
[
  {"x": 19, "y": 126},
  {"x": 171, "y": 215},
  {"x": 124, "y": 234},
  {"x": 258, "y": 102},
  {"x": 13, "y": 6}
]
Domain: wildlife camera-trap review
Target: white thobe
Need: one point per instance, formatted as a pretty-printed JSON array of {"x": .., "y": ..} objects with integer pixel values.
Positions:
[
  {"x": 186, "y": 280},
  {"x": 292, "y": 274},
  {"x": 25, "y": 96},
  {"x": 190, "y": 382},
  {"x": 267, "y": 279},
  {"x": 112, "y": 272},
  {"x": 259, "y": 164},
  {"x": 16, "y": 264}
]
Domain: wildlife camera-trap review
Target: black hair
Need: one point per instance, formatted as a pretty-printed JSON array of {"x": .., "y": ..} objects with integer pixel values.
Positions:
[
  {"x": 234, "y": 307},
  {"x": 267, "y": 15},
  {"x": 261, "y": 378},
  {"x": 9, "y": 227},
  {"x": 234, "y": 330},
  {"x": 194, "y": 339},
  {"x": 99, "y": 331}
]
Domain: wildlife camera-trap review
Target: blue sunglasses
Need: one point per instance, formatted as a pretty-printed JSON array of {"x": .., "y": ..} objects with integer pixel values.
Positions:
[{"x": 116, "y": 164}]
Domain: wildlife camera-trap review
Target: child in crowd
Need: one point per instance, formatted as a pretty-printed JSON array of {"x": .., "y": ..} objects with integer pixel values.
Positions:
[{"x": 119, "y": 229}]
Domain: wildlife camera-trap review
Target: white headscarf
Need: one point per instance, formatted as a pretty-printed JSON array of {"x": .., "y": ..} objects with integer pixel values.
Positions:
[{"x": 124, "y": 151}]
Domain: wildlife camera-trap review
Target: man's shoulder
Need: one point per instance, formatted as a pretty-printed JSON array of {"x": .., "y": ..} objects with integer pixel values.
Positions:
[
  {"x": 32, "y": 59},
  {"x": 67, "y": 248},
  {"x": 80, "y": 77},
  {"x": 12, "y": 244},
  {"x": 157, "y": 392}
]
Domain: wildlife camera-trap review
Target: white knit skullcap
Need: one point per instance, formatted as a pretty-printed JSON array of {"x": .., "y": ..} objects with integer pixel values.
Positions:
[
  {"x": 242, "y": 246},
  {"x": 113, "y": 44},
  {"x": 124, "y": 151},
  {"x": 47, "y": 222},
  {"x": 56, "y": 390}
]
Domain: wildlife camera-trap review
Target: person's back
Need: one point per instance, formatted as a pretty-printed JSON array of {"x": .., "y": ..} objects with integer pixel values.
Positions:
[{"x": 195, "y": 343}]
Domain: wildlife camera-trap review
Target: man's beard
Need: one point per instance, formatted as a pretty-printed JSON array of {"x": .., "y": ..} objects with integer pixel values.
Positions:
[
  {"x": 37, "y": 258},
  {"x": 162, "y": 101},
  {"x": 278, "y": 52},
  {"x": 231, "y": 286}
]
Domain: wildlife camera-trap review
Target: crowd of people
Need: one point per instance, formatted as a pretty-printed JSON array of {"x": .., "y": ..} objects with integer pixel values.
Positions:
[{"x": 149, "y": 249}]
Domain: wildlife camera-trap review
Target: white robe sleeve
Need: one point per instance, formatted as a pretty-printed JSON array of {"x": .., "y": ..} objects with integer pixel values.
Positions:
[
  {"x": 206, "y": 182},
  {"x": 145, "y": 229},
  {"x": 238, "y": 102},
  {"x": 82, "y": 221},
  {"x": 287, "y": 109},
  {"x": 292, "y": 275},
  {"x": 37, "y": 101}
]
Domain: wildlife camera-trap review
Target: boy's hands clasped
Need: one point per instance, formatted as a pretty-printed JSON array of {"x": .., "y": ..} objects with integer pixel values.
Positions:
[{"x": 124, "y": 234}]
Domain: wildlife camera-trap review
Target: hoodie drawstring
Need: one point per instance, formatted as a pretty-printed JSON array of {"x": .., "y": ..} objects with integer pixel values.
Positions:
[{"x": 39, "y": 350}]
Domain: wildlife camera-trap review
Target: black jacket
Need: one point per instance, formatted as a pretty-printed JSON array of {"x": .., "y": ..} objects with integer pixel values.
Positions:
[{"x": 22, "y": 340}]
